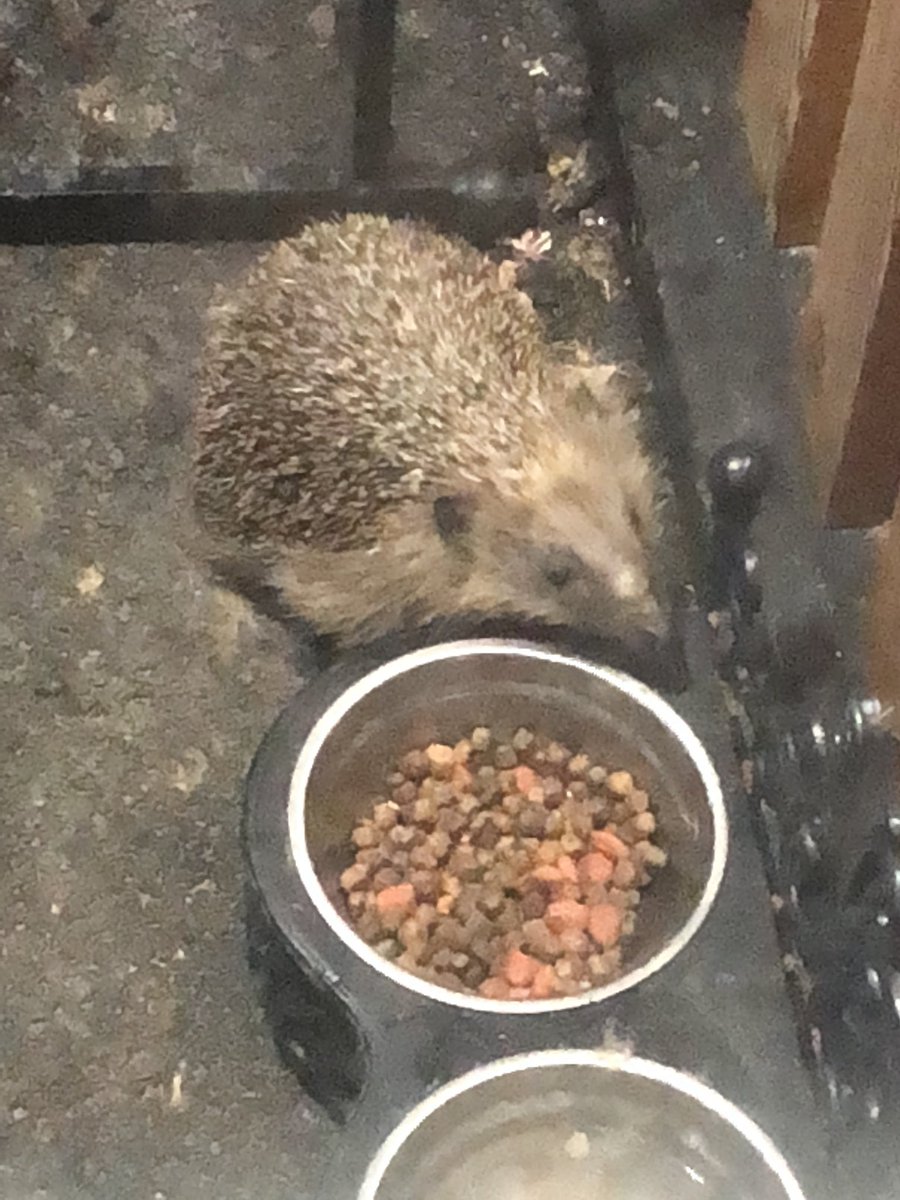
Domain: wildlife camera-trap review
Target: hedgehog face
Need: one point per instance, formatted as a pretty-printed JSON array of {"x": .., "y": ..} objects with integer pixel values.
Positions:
[
  {"x": 571, "y": 539},
  {"x": 564, "y": 568}
]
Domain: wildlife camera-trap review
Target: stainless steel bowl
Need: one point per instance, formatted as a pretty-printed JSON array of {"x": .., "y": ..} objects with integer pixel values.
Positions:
[
  {"x": 441, "y": 693},
  {"x": 578, "y": 1124}
]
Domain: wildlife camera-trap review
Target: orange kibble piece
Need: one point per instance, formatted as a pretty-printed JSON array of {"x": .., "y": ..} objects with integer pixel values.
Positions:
[
  {"x": 520, "y": 993},
  {"x": 526, "y": 779},
  {"x": 546, "y": 983},
  {"x": 398, "y": 898},
  {"x": 605, "y": 925},
  {"x": 565, "y": 864},
  {"x": 595, "y": 868},
  {"x": 566, "y": 914},
  {"x": 609, "y": 844},
  {"x": 494, "y": 988},
  {"x": 519, "y": 969}
]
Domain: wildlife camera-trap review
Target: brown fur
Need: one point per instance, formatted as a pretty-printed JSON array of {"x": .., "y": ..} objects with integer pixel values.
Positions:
[{"x": 366, "y": 368}]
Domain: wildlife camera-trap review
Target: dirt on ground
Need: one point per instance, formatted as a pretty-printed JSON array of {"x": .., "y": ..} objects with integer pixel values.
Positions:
[{"x": 136, "y": 1064}]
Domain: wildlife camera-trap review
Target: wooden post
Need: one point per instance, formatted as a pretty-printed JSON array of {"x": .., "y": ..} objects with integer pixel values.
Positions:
[
  {"x": 850, "y": 348},
  {"x": 799, "y": 63}
]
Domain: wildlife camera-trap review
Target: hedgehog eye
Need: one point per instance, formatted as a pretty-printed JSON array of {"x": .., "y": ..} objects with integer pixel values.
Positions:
[
  {"x": 558, "y": 576},
  {"x": 560, "y": 568},
  {"x": 453, "y": 515}
]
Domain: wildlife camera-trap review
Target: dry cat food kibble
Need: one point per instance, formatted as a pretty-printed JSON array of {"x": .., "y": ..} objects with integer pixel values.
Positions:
[{"x": 511, "y": 870}]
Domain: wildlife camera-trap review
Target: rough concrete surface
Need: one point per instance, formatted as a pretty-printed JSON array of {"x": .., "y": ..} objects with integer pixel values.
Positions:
[
  {"x": 134, "y": 1061},
  {"x": 464, "y": 81},
  {"x": 240, "y": 94}
]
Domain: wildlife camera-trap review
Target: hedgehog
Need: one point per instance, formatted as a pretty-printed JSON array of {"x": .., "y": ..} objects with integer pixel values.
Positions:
[{"x": 384, "y": 437}]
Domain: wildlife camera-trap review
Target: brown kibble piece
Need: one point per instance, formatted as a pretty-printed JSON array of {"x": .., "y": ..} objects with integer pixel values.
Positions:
[
  {"x": 505, "y": 758},
  {"x": 533, "y": 904},
  {"x": 387, "y": 877},
  {"x": 365, "y": 836},
  {"x": 486, "y": 836},
  {"x": 574, "y": 941},
  {"x": 481, "y": 738},
  {"x": 620, "y": 783},
  {"x": 644, "y": 823},
  {"x": 440, "y": 760},
  {"x": 402, "y": 835},
  {"x": 426, "y": 884},
  {"x": 533, "y": 821},
  {"x": 624, "y": 874},
  {"x": 354, "y": 877},
  {"x": 572, "y": 843},
  {"x": 423, "y": 857},
  {"x": 425, "y": 811},
  {"x": 406, "y": 794},
  {"x": 538, "y": 939},
  {"x": 554, "y": 792},
  {"x": 385, "y": 815},
  {"x": 655, "y": 856},
  {"x": 462, "y": 751},
  {"x": 462, "y": 778},
  {"x": 451, "y": 821},
  {"x": 522, "y": 739},
  {"x": 579, "y": 765},
  {"x": 638, "y": 801},
  {"x": 415, "y": 765}
]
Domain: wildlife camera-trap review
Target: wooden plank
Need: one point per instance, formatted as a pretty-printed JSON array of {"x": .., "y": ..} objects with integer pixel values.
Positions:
[
  {"x": 846, "y": 355},
  {"x": 823, "y": 94},
  {"x": 799, "y": 63},
  {"x": 868, "y": 476},
  {"x": 773, "y": 52}
]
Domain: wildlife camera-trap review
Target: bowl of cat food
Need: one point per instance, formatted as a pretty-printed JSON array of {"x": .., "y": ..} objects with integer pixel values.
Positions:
[
  {"x": 579, "y": 1124},
  {"x": 501, "y": 827}
]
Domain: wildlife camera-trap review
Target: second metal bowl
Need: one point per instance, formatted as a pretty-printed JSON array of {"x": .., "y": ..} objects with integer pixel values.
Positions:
[{"x": 587, "y": 1126}]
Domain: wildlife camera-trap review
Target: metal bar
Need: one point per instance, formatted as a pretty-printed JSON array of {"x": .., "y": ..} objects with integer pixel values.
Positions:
[{"x": 484, "y": 211}]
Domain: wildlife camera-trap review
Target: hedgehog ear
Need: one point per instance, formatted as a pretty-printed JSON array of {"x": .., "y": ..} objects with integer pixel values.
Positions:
[{"x": 453, "y": 515}]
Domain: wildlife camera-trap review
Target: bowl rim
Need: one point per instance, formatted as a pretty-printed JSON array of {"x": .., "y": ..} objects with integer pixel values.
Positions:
[
  {"x": 634, "y": 689},
  {"x": 608, "y": 1060}
]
